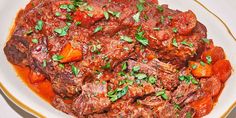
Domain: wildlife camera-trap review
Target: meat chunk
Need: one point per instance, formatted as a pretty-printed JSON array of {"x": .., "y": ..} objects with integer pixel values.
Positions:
[
  {"x": 126, "y": 109},
  {"x": 92, "y": 99},
  {"x": 183, "y": 91},
  {"x": 165, "y": 72},
  {"x": 59, "y": 104},
  {"x": 16, "y": 50}
]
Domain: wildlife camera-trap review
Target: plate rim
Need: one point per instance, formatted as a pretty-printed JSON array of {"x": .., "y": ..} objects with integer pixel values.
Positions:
[{"x": 34, "y": 112}]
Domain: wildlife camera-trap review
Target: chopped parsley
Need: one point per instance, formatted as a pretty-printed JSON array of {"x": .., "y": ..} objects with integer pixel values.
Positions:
[
  {"x": 68, "y": 7},
  {"x": 68, "y": 17},
  {"x": 90, "y": 15},
  {"x": 29, "y": 32},
  {"x": 136, "y": 17},
  {"x": 139, "y": 37},
  {"x": 39, "y": 25},
  {"x": 96, "y": 48},
  {"x": 160, "y": 8},
  {"x": 136, "y": 68},
  {"x": 209, "y": 59},
  {"x": 175, "y": 30},
  {"x": 187, "y": 44},
  {"x": 57, "y": 14},
  {"x": 188, "y": 115},
  {"x": 130, "y": 82},
  {"x": 61, "y": 65},
  {"x": 124, "y": 66},
  {"x": 162, "y": 19},
  {"x": 78, "y": 23},
  {"x": 157, "y": 28},
  {"x": 152, "y": 80},
  {"x": 206, "y": 40},
  {"x": 126, "y": 38},
  {"x": 44, "y": 63},
  {"x": 202, "y": 63},
  {"x": 75, "y": 70},
  {"x": 177, "y": 107},
  {"x": 170, "y": 17},
  {"x": 116, "y": 14},
  {"x": 107, "y": 66},
  {"x": 89, "y": 8},
  {"x": 194, "y": 66},
  {"x": 62, "y": 31},
  {"x": 117, "y": 93},
  {"x": 188, "y": 79},
  {"x": 106, "y": 14},
  {"x": 141, "y": 76},
  {"x": 174, "y": 42},
  {"x": 162, "y": 93},
  {"x": 56, "y": 57},
  {"x": 140, "y": 7},
  {"x": 35, "y": 41},
  {"x": 97, "y": 29}
]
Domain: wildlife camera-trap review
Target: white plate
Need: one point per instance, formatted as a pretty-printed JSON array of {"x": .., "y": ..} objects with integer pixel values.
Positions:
[{"x": 19, "y": 93}]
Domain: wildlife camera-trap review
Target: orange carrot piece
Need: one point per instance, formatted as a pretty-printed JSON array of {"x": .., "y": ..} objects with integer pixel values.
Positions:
[
  {"x": 200, "y": 70},
  {"x": 70, "y": 53}
]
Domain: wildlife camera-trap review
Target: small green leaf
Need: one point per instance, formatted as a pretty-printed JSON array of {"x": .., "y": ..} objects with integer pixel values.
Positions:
[
  {"x": 175, "y": 30},
  {"x": 39, "y": 25},
  {"x": 160, "y": 8},
  {"x": 136, "y": 17},
  {"x": 139, "y": 37},
  {"x": 177, "y": 107},
  {"x": 56, "y": 57},
  {"x": 44, "y": 63},
  {"x": 206, "y": 40},
  {"x": 162, "y": 19},
  {"x": 141, "y": 76},
  {"x": 89, "y": 8},
  {"x": 187, "y": 44},
  {"x": 126, "y": 38},
  {"x": 136, "y": 68},
  {"x": 62, "y": 31},
  {"x": 117, "y": 93},
  {"x": 35, "y": 41},
  {"x": 61, "y": 66},
  {"x": 209, "y": 59},
  {"x": 106, "y": 14},
  {"x": 75, "y": 71},
  {"x": 124, "y": 66},
  {"x": 152, "y": 80},
  {"x": 78, "y": 23},
  {"x": 174, "y": 42},
  {"x": 202, "y": 63},
  {"x": 194, "y": 66},
  {"x": 107, "y": 66},
  {"x": 157, "y": 28},
  {"x": 162, "y": 93},
  {"x": 116, "y": 14},
  {"x": 170, "y": 17},
  {"x": 140, "y": 7},
  {"x": 57, "y": 14},
  {"x": 97, "y": 29}
]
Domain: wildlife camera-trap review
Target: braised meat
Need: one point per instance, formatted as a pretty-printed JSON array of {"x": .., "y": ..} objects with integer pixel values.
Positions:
[{"x": 119, "y": 58}]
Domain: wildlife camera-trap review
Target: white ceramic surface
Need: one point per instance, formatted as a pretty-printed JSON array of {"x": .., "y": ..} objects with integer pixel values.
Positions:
[{"x": 216, "y": 30}]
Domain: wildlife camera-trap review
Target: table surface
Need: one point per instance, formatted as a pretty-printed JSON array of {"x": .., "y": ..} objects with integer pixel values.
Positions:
[{"x": 10, "y": 110}]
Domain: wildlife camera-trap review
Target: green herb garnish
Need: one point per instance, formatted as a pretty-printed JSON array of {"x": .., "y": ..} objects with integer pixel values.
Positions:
[
  {"x": 75, "y": 70},
  {"x": 56, "y": 57},
  {"x": 97, "y": 29},
  {"x": 126, "y": 38},
  {"x": 39, "y": 25},
  {"x": 117, "y": 93}
]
